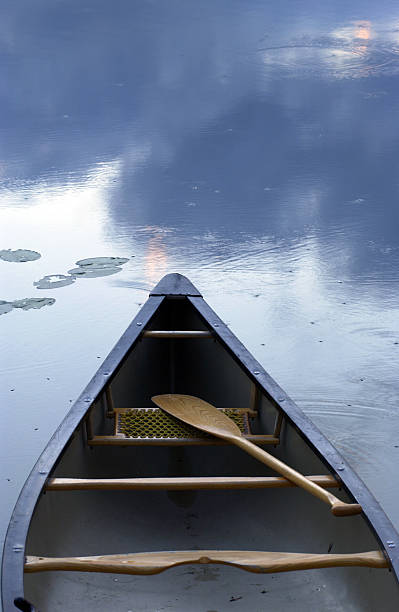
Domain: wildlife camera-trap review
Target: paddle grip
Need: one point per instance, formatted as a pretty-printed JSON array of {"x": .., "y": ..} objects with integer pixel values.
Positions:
[{"x": 343, "y": 509}]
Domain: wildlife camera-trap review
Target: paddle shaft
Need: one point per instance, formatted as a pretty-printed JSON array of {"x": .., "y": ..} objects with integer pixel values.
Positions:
[{"x": 338, "y": 507}]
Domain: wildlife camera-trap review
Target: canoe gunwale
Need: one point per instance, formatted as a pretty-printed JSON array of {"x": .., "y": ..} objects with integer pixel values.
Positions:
[{"x": 175, "y": 286}]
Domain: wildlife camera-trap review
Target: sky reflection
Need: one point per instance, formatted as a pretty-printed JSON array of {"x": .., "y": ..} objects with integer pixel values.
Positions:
[{"x": 253, "y": 149}]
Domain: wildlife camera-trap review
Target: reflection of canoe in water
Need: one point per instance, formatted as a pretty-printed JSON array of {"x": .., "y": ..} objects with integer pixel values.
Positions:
[{"x": 132, "y": 492}]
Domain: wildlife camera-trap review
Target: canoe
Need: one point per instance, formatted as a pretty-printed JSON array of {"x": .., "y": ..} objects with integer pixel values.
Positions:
[{"x": 132, "y": 508}]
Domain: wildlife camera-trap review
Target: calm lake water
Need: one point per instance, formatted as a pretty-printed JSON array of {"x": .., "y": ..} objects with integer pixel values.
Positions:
[{"x": 252, "y": 146}]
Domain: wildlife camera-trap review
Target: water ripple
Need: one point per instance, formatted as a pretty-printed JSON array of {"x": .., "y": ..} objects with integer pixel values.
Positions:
[
  {"x": 332, "y": 58},
  {"x": 341, "y": 408},
  {"x": 356, "y": 428}
]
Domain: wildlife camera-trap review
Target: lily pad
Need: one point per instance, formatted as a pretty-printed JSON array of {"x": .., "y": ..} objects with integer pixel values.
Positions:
[
  {"x": 53, "y": 281},
  {"x": 93, "y": 272},
  {"x": 28, "y": 303},
  {"x": 101, "y": 262},
  {"x": 5, "y": 307},
  {"x": 19, "y": 255},
  {"x": 99, "y": 266}
]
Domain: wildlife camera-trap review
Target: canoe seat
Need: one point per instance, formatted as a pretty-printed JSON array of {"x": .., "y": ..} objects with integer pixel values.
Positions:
[
  {"x": 155, "y": 423},
  {"x": 154, "y": 426}
]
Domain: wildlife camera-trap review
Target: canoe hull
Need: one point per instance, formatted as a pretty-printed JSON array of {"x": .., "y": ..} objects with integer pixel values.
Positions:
[{"x": 81, "y": 523}]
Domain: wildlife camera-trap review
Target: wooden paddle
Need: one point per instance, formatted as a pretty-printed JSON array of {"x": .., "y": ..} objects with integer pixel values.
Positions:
[
  {"x": 157, "y": 562},
  {"x": 204, "y": 416}
]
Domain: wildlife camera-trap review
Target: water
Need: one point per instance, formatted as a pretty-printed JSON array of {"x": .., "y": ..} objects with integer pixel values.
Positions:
[{"x": 250, "y": 148}]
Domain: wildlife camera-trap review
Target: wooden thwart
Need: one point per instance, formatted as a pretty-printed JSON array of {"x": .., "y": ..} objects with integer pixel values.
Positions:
[
  {"x": 198, "y": 413},
  {"x": 251, "y": 561},
  {"x": 121, "y": 440},
  {"x": 176, "y": 334},
  {"x": 181, "y": 483}
]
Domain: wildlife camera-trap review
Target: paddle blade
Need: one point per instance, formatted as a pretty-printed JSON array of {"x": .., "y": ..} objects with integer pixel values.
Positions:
[{"x": 194, "y": 411}]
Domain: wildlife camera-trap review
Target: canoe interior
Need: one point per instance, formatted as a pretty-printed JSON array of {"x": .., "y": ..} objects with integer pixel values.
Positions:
[{"x": 81, "y": 523}]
